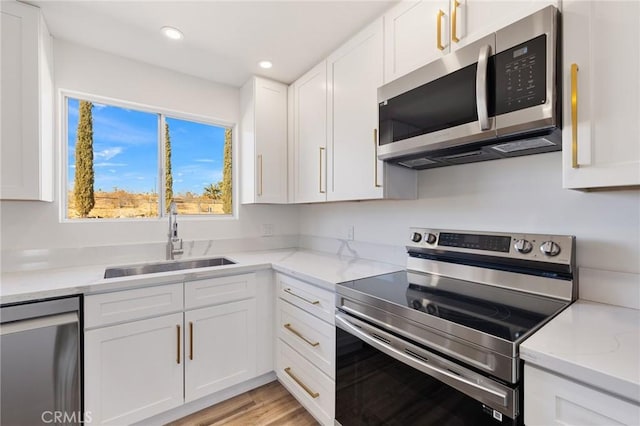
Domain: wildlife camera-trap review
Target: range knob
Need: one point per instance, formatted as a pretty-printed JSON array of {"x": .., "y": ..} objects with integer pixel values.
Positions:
[
  {"x": 549, "y": 248},
  {"x": 416, "y": 237},
  {"x": 522, "y": 246},
  {"x": 430, "y": 238}
]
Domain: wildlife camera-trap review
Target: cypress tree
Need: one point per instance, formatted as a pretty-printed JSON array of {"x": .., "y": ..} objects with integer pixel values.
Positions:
[
  {"x": 168, "y": 177},
  {"x": 226, "y": 174},
  {"x": 84, "y": 175}
]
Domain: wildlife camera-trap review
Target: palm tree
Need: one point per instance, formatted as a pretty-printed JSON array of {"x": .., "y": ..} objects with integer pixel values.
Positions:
[{"x": 213, "y": 191}]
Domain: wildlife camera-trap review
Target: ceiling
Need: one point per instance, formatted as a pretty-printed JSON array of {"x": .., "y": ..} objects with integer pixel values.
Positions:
[{"x": 223, "y": 40}]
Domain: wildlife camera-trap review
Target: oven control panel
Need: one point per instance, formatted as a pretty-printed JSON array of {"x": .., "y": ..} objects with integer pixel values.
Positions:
[{"x": 541, "y": 247}]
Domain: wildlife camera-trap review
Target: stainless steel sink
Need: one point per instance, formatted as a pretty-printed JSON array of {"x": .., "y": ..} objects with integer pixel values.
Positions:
[{"x": 152, "y": 268}]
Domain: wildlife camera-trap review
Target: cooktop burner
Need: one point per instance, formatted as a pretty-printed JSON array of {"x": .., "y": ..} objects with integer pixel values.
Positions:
[{"x": 501, "y": 312}]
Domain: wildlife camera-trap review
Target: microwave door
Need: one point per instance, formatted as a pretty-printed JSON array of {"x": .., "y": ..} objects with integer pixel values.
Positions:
[{"x": 441, "y": 105}]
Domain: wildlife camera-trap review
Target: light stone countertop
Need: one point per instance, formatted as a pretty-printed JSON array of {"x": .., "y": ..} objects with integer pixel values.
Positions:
[
  {"x": 322, "y": 269},
  {"x": 594, "y": 343}
]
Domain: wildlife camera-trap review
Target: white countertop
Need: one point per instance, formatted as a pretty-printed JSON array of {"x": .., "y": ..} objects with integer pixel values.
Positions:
[
  {"x": 322, "y": 269},
  {"x": 594, "y": 343}
]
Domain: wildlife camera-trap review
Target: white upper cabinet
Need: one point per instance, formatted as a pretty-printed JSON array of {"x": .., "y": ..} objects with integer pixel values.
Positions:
[
  {"x": 354, "y": 73},
  {"x": 601, "y": 64},
  {"x": 420, "y": 31},
  {"x": 263, "y": 141},
  {"x": 26, "y": 94},
  {"x": 416, "y": 33},
  {"x": 474, "y": 19},
  {"x": 310, "y": 135}
]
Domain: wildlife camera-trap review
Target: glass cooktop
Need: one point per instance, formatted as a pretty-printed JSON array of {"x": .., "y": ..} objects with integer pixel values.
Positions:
[{"x": 504, "y": 313}]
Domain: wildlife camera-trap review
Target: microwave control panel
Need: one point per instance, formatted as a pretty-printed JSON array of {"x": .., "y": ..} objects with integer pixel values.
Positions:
[{"x": 521, "y": 76}]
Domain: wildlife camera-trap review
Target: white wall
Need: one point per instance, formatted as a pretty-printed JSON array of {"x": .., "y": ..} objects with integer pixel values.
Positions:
[
  {"x": 32, "y": 225},
  {"x": 521, "y": 194}
]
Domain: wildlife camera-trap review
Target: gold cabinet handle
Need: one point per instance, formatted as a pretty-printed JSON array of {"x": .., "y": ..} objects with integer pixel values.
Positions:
[
  {"x": 375, "y": 159},
  {"x": 191, "y": 340},
  {"x": 260, "y": 175},
  {"x": 439, "y": 26},
  {"x": 311, "y": 393},
  {"x": 454, "y": 22},
  {"x": 178, "y": 340},
  {"x": 320, "y": 169},
  {"x": 313, "y": 302},
  {"x": 574, "y": 116},
  {"x": 297, "y": 333}
]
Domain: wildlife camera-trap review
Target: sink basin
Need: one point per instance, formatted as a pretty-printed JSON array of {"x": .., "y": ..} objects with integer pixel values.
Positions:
[{"x": 172, "y": 265}]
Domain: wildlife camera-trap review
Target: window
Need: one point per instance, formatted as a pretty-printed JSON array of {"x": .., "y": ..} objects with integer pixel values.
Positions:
[{"x": 129, "y": 163}]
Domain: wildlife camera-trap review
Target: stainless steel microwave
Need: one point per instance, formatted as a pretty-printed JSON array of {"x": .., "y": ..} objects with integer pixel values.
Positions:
[{"x": 496, "y": 97}]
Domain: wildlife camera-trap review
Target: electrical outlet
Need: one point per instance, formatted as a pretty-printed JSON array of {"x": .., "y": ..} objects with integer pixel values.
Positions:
[
  {"x": 267, "y": 229},
  {"x": 350, "y": 232}
]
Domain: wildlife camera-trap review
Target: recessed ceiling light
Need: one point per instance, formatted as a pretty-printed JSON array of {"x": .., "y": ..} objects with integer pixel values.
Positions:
[
  {"x": 265, "y": 64},
  {"x": 172, "y": 33}
]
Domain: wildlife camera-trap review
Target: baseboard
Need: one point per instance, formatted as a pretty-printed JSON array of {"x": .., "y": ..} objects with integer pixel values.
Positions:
[{"x": 207, "y": 401}]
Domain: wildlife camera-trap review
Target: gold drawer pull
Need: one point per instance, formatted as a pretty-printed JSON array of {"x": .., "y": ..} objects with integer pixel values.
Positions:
[
  {"x": 375, "y": 159},
  {"x": 313, "y": 302},
  {"x": 439, "y": 30},
  {"x": 297, "y": 333},
  {"x": 320, "y": 171},
  {"x": 311, "y": 393},
  {"x": 260, "y": 175},
  {"x": 454, "y": 22},
  {"x": 178, "y": 340},
  {"x": 574, "y": 116},
  {"x": 191, "y": 340}
]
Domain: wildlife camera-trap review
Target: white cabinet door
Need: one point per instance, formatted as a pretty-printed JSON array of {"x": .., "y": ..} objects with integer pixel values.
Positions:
[
  {"x": 555, "y": 400},
  {"x": 264, "y": 141},
  {"x": 602, "y": 39},
  {"x": 220, "y": 347},
  {"x": 310, "y": 134},
  {"x": 475, "y": 19},
  {"x": 411, "y": 35},
  {"x": 134, "y": 370},
  {"x": 26, "y": 100},
  {"x": 354, "y": 75}
]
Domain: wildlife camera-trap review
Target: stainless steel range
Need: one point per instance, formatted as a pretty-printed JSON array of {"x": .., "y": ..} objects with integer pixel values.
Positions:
[{"x": 438, "y": 343}]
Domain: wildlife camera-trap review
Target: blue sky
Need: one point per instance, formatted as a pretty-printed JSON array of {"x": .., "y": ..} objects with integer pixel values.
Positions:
[{"x": 125, "y": 150}]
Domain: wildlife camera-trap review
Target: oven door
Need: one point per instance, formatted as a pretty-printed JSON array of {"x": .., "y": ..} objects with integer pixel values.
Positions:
[
  {"x": 441, "y": 105},
  {"x": 382, "y": 379}
]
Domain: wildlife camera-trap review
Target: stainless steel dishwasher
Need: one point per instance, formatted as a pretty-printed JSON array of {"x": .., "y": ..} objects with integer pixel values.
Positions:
[{"x": 40, "y": 363}]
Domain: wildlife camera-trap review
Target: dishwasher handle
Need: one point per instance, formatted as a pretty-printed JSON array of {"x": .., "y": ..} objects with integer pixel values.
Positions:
[{"x": 40, "y": 322}]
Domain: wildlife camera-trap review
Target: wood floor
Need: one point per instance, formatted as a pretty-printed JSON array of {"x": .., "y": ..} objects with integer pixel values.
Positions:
[{"x": 270, "y": 404}]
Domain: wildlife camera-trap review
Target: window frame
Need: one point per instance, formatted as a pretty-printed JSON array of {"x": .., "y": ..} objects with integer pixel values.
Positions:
[{"x": 63, "y": 162}]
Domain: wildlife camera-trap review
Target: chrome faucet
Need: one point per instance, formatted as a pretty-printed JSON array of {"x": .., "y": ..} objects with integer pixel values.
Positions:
[{"x": 174, "y": 244}]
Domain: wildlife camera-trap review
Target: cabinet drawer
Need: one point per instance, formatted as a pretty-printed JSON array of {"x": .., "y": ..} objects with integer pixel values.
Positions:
[
  {"x": 308, "y": 297},
  {"x": 128, "y": 305},
  {"x": 213, "y": 291},
  {"x": 312, "y": 388},
  {"x": 309, "y": 335}
]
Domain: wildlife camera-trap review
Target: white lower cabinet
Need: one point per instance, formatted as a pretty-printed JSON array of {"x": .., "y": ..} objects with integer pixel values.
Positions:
[
  {"x": 220, "y": 347},
  {"x": 554, "y": 400},
  {"x": 133, "y": 370},
  {"x": 140, "y": 366},
  {"x": 306, "y": 345}
]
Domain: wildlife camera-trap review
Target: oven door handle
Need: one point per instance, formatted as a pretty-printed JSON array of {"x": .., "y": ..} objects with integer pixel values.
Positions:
[{"x": 438, "y": 373}]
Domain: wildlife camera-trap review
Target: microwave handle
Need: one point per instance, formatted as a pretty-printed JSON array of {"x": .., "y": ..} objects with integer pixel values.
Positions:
[{"x": 481, "y": 87}]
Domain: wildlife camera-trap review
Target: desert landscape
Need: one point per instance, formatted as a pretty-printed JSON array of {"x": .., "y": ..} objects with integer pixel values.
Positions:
[{"x": 122, "y": 204}]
